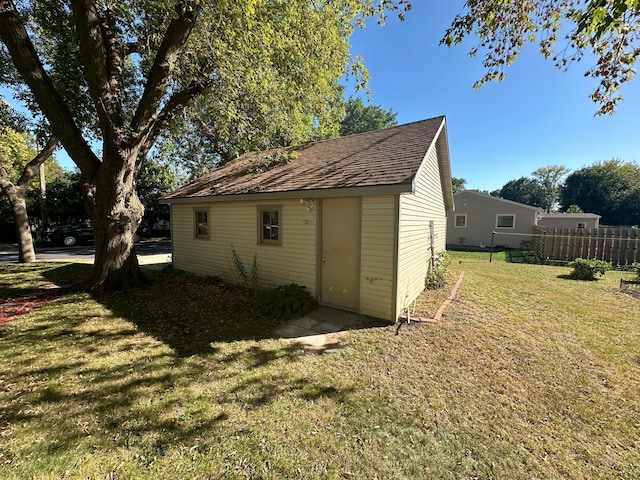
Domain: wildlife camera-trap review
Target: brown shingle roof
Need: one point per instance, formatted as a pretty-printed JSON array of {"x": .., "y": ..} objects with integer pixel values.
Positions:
[{"x": 390, "y": 156}]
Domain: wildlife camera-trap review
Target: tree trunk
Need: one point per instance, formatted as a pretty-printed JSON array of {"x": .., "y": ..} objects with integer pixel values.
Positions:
[
  {"x": 26, "y": 253},
  {"x": 116, "y": 212}
]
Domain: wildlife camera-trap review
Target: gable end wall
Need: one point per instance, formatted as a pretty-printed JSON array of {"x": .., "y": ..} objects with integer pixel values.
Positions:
[{"x": 416, "y": 211}]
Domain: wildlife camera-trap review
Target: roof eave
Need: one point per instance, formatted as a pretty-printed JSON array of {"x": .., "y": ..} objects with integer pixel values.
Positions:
[
  {"x": 309, "y": 193},
  {"x": 440, "y": 143}
]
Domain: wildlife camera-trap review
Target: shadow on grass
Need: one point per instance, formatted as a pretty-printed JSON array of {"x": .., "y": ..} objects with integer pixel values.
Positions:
[
  {"x": 193, "y": 317},
  {"x": 519, "y": 256},
  {"x": 93, "y": 381},
  {"x": 568, "y": 276}
]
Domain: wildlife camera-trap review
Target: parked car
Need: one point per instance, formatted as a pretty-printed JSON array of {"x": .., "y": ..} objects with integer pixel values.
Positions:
[{"x": 70, "y": 235}]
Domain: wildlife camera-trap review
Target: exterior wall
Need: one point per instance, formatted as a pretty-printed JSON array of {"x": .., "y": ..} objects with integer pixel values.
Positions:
[
  {"x": 414, "y": 244},
  {"x": 377, "y": 257},
  {"x": 481, "y": 211},
  {"x": 568, "y": 220},
  {"x": 236, "y": 223}
]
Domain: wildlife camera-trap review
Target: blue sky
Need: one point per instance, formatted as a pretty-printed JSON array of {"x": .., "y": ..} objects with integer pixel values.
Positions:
[{"x": 538, "y": 116}]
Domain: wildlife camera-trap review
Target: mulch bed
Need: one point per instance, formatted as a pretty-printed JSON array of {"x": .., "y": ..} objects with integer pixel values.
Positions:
[{"x": 14, "y": 307}]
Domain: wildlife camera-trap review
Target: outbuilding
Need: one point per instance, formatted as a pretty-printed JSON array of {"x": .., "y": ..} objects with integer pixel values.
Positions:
[
  {"x": 569, "y": 220},
  {"x": 355, "y": 219}
]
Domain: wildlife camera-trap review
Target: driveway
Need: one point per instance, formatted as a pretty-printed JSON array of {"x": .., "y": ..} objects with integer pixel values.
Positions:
[{"x": 150, "y": 252}]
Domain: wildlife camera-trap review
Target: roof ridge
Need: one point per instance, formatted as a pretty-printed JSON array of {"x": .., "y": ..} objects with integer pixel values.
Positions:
[{"x": 333, "y": 139}]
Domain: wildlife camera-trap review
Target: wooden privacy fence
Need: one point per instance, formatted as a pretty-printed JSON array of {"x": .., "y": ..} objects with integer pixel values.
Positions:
[{"x": 620, "y": 246}]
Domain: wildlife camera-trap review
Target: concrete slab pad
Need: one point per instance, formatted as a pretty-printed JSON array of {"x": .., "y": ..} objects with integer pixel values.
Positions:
[
  {"x": 305, "y": 322},
  {"x": 326, "y": 327},
  {"x": 294, "y": 331}
]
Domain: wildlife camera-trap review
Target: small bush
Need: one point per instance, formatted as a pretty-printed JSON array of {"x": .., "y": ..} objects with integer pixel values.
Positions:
[
  {"x": 636, "y": 268},
  {"x": 584, "y": 269},
  {"x": 437, "y": 274},
  {"x": 286, "y": 301}
]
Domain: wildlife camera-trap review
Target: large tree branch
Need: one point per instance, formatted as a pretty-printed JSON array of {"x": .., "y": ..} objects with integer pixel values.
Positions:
[
  {"x": 102, "y": 57},
  {"x": 31, "y": 168},
  {"x": 93, "y": 55},
  {"x": 5, "y": 183},
  {"x": 178, "y": 101},
  {"x": 161, "y": 72},
  {"x": 25, "y": 58}
]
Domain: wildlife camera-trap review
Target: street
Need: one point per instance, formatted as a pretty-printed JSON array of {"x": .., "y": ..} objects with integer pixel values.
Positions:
[{"x": 149, "y": 253}]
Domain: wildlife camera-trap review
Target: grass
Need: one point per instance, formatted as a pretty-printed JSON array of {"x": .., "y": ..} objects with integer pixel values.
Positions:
[{"x": 528, "y": 376}]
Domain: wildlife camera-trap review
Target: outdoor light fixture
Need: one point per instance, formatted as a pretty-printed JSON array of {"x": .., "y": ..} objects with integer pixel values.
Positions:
[{"x": 308, "y": 203}]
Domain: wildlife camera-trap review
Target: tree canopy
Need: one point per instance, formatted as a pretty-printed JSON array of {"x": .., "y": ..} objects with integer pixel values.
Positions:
[
  {"x": 360, "y": 118},
  {"x": 609, "y": 30},
  {"x": 111, "y": 77},
  {"x": 458, "y": 184},
  {"x": 610, "y": 189},
  {"x": 542, "y": 189},
  {"x": 522, "y": 190}
]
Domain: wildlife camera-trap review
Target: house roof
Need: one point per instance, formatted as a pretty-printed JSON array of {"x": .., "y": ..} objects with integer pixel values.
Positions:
[
  {"x": 498, "y": 199},
  {"x": 389, "y": 159}
]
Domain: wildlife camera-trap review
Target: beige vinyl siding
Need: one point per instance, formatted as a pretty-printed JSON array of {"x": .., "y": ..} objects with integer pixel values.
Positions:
[
  {"x": 376, "y": 270},
  {"x": 416, "y": 211},
  {"x": 236, "y": 223}
]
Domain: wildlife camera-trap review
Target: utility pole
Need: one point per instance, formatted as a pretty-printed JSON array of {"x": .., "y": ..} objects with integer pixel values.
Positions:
[{"x": 43, "y": 202}]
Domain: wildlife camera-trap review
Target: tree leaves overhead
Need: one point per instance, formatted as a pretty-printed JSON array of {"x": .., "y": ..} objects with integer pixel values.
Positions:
[{"x": 607, "y": 29}]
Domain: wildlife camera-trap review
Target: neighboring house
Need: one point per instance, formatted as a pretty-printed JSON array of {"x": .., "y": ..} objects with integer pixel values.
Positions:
[
  {"x": 477, "y": 216},
  {"x": 569, "y": 220},
  {"x": 353, "y": 219}
]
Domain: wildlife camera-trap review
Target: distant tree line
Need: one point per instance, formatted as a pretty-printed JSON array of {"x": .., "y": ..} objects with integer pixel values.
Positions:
[{"x": 610, "y": 188}]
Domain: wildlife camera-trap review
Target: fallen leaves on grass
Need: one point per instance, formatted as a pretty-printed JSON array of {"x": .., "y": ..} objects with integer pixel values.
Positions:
[{"x": 13, "y": 307}]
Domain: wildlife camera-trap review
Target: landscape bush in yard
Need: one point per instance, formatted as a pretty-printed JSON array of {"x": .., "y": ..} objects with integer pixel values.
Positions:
[
  {"x": 286, "y": 301},
  {"x": 636, "y": 268},
  {"x": 584, "y": 269}
]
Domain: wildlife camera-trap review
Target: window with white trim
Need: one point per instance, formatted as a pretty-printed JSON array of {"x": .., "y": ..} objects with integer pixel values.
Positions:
[
  {"x": 582, "y": 224},
  {"x": 506, "y": 220},
  {"x": 269, "y": 224},
  {"x": 201, "y": 223},
  {"x": 460, "y": 220}
]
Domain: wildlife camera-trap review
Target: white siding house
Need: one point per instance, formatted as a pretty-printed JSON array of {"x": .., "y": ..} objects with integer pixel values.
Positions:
[{"x": 354, "y": 219}]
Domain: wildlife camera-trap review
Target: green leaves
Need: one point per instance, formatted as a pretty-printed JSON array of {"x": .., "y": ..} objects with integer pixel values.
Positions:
[{"x": 608, "y": 29}]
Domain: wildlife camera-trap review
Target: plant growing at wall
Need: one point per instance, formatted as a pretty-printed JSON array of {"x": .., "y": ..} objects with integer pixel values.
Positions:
[
  {"x": 286, "y": 301},
  {"x": 248, "y": 278},
  {"x": 584, "y": 269},
  {"x": 437, "y": 271}
]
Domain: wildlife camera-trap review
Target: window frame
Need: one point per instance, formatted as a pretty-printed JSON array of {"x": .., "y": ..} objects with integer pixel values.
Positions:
[
  {"x": 513, "y": 223},
  {"x": 455, "y": 220},
  {"x": 261, "y": 209},
  {"x": 196, "y": 223},
  {"x": 581, "y": 225}
]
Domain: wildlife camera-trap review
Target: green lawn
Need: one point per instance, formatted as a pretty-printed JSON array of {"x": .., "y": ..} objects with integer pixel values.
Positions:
[{"x": 528, "y": 376}]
